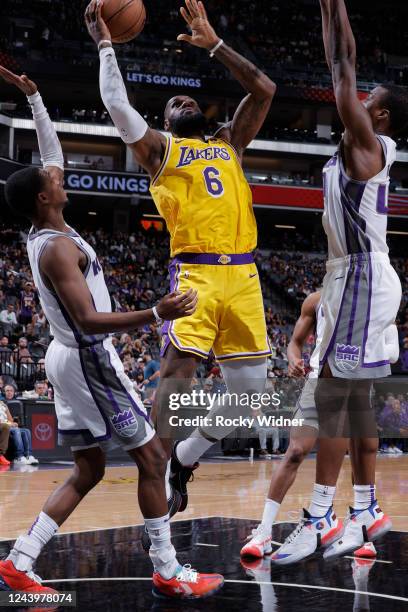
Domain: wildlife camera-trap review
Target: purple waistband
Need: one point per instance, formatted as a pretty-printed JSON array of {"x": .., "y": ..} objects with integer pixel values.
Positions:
[{"x": 213, "y": 259}]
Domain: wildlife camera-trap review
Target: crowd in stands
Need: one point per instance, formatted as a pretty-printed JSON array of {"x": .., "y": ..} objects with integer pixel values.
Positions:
[
  {"x": 281, "y": 36},
  {"x": 135, "y": 267}
]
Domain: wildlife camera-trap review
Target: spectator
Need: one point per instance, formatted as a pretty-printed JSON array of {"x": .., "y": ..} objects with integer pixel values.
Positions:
[
  {"x": 41, "y": 390},
  {"x": 9, "y": 393},
  {"x": 264, "y": 432},
  {"x": 21, "y": 353},
  {"x": 4, "y": 345},
  {"x": 20, "y": 437},
  {"x": 8, "y": 319},
  {"x": 151, "y": 374},
  {"x": 27, "y": 304}
]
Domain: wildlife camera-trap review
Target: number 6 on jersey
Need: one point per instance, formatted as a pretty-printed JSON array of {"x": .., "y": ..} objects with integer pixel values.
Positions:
[{"x": 213, "y": 184}]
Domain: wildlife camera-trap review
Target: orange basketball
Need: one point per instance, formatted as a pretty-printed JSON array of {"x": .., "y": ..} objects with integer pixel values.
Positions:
[{"x": 124, "y": 18}]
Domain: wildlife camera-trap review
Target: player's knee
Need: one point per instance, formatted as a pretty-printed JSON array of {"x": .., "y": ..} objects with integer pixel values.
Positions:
[{"x": 296, "y": 454}]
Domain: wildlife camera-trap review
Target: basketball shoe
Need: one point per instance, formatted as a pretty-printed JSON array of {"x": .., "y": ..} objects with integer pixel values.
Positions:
[
  {"x": 187, "y": 584},
  {"x": 259, "y": 543},
  {"x": 3, "y": 461},
  {"x": 12, "y": 579},
  {"x": 360, "y": 526},
  {"x": 180, "y": 475},
  {"x": 310, "y": 534}
]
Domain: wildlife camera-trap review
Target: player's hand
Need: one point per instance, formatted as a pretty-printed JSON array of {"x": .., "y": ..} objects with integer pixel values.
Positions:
[
  {"x": 97, "y": 28},
  {"x": 202, "y": 33},
  {"x": 22, "y": 82},
  {"x": 296, "y": 368},
  {"x": 177, "y": 305}
]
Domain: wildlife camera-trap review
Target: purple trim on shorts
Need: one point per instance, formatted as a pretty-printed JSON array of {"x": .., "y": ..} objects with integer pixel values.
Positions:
[
  {"x": 186, "y": 349},
  {"x": 333, "y": 338},
  {"x": 108, "y": 434},
  {"x": 172, "y": 272},
  {"x": 108, "y": 391},
  {"x": 370, "y": 293},
  {"x": 130, "y": 398},
  {"x": 213, "y": 259},
  {"x": 376, "y": 364},
  {"x": 355, "y": 298}
]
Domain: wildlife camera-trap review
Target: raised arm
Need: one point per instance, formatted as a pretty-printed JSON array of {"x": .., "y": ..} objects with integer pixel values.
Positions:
[
  {"x": 50, "y": 147},
  {"x": 340, "y": 49},
  {"x": 147, "y": 145},
  {"x": 251, "y": 113},
  {"x": 303, "y": 328},
  {"x": 60, "y": 264}
]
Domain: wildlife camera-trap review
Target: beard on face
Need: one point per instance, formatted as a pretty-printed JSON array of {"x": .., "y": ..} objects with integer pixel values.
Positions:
[{"x": 188, "y": 124}]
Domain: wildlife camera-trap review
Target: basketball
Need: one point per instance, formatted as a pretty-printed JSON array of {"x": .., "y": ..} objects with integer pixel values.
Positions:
[{"x": 124, "y": 18}]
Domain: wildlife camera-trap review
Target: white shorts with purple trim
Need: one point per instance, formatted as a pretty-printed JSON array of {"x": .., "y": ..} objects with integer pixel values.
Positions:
[
  {"x": 95, "y": 400},
  {"x": 361, "y": 297}
]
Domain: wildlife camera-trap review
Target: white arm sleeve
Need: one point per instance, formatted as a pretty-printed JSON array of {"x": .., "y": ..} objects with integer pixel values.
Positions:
[
  {"x": 48, "y": 141},
  {"x": 130, "y": 124}
]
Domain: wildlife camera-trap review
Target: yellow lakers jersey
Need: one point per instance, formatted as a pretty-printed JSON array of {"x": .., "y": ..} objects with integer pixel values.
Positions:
[{"x": 202, "y": 193}]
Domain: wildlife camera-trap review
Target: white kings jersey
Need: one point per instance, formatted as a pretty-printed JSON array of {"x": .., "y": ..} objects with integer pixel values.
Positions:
[
  {"x": 62, "y": 327},
  {"x": 355, "y": 212},
  {"x": 315, "y": 357}
]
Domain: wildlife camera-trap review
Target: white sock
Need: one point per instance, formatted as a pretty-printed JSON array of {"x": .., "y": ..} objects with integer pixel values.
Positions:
[
  {"x": 270, "y": 513},
  {"x": 162, "y": 552},
  {"x": 322, "y": 499},
  {"x": 27, "y": 548},
  {"x": 189, "y": 451},
  {"x": 166, "y": 481},
  {"x": 364, "y": 496}
]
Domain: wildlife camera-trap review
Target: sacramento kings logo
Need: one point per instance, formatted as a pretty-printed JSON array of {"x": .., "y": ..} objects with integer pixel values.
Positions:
[
  {"x": 125, "y": 423},
  {"x": 347, "y": 357}
]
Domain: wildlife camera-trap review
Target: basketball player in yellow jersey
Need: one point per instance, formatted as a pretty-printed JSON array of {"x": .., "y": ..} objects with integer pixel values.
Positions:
[{"x": 201, "y": 191}]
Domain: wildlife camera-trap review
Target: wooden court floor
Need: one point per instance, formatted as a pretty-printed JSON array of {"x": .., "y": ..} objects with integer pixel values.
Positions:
[{"x": 226, "y": 489}]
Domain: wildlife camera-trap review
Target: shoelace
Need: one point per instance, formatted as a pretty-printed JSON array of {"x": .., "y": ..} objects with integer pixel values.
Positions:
[
  {"x": 292, "y": 536},
  {"x": 187, "y": 574}
]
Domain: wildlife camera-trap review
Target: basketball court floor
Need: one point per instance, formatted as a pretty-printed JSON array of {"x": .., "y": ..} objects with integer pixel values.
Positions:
[{"x": 98, "y": 553}]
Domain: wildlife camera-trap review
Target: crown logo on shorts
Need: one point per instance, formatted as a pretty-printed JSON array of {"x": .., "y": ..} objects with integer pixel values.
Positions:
[
  {"x": 349, "y": 350},
  {"x": 123, "y": 417},
  {"x": 224, "y": 259}
]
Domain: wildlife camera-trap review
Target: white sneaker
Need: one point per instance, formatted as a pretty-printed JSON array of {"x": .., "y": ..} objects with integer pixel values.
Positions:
[
  {"x": 360, "y": 526},
  {"x": 20, "y": 461},
  {"x": 32, "y": 460},
  {"x": 259, "y": 543},
  {"x": 397, "y": 451},
  {"x": 310, "y": 534}
]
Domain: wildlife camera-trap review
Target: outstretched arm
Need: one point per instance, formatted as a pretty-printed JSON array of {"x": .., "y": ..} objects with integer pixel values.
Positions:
[
  {"x": 50, "y": 147},
  {"x": 252, "y": 112},
  {"x": 147, "y": 145},
  {"x": 340, "y": 49}
]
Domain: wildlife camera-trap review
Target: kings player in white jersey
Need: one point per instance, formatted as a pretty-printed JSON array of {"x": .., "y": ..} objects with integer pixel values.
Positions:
[
  {"x": 95, "y": 401},
  {"x": 361, "y": 291}
]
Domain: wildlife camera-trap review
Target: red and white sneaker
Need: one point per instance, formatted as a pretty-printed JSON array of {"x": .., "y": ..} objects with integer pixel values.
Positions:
[
  {"x": 259, "y": 543},
  {"x": 187, "y": 584},
  {"x": 4, "y": 461},
  {"x": 12, "y": 579},
  {"x": 310, "y": 534},
  {"x": 360, "y": 526}
]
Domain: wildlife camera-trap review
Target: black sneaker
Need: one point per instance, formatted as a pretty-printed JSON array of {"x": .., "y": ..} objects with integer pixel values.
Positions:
[
  {"x": 173, "y": 505},
  {"x": 180, "y": 475}
]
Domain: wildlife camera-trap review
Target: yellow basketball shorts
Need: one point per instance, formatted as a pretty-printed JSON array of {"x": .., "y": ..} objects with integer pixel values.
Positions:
[{"x": 230, "y": 317}]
